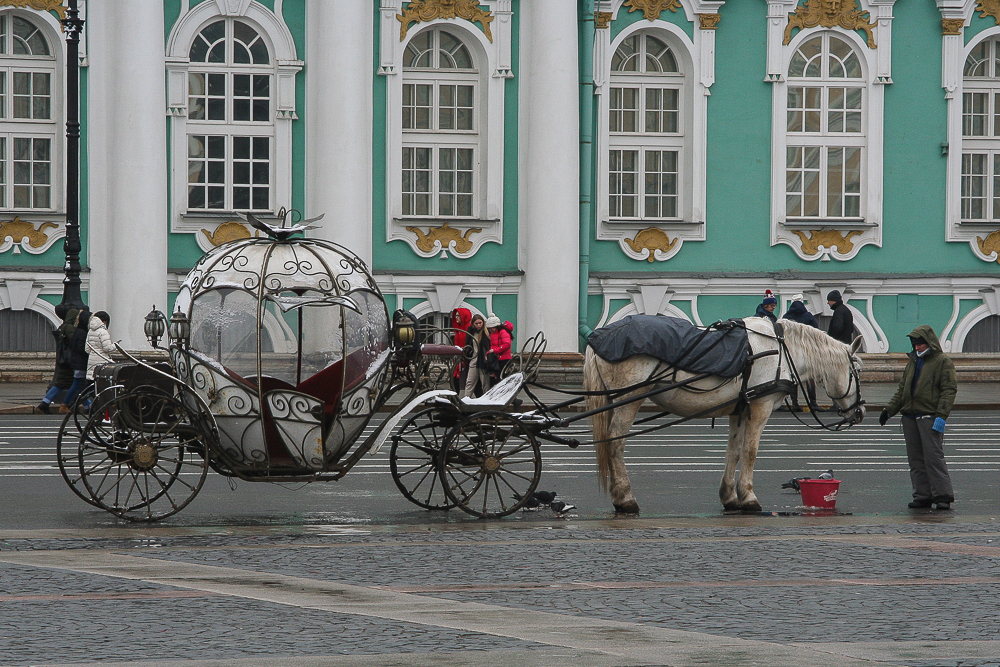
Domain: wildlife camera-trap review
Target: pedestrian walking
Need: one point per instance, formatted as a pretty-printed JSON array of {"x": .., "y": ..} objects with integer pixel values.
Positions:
[
  {"x": 100, "y": 347},
  {"x": 797, "y": 313},
  {"x": 478, "y": 339},
  {"x": 78, "y": 359},
  {"x": 62, "y": 378},
  {"x": 842, "y": 325},
  {"x": 766, "y": 307},
  {"x": 499, "y": 352},
  {"x": 925, "y": 397}
]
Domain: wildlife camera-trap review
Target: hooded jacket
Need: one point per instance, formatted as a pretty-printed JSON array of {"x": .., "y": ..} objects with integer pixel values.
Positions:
[
  {"x": 99, "y": 346},
  {"x": 842, "y": 323},
  {"x": 763, "y": 313},
  {"x": 797, "y": 313},
  {"x": 934, "y": 393}
]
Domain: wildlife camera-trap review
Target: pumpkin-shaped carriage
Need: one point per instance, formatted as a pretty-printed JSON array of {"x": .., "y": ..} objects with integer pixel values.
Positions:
[{"x": 281, "y": 352}]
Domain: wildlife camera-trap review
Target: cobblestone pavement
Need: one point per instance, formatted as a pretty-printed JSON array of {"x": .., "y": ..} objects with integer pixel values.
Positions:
[{"x": 727, "y": 590}]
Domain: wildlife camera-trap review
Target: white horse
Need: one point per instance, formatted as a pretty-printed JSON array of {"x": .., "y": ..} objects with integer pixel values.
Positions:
[{"x": 815, "y": 356}]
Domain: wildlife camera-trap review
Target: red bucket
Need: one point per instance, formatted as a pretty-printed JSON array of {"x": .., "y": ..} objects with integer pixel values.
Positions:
[{"x": 820, "y": 493}]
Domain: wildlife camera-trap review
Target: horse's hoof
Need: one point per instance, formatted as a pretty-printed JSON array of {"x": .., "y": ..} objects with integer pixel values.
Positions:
[
  {"x": 731, "y": 506},
  {"x": 751, "y": 507},
  {"x": 631, "y": 507}
]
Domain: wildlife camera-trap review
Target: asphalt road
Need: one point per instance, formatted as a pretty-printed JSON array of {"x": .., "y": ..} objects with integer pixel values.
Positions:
[{"x": 674, "y": 473}]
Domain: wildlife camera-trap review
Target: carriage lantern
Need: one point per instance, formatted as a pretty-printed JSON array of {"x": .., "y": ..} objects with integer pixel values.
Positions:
[
  {"x": 180, "y": 328},
  {"x": 404, "y": 329},
  {"x": 155, "y": 326}
]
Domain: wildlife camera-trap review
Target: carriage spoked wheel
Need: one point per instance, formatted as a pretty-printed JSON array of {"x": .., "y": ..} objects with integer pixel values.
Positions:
[
  {"x": 415, "y": 456},
  {"x": 143, "y": 455},
  {"x": 69, "y": 433},
  {"x": 490, "y": 464}
]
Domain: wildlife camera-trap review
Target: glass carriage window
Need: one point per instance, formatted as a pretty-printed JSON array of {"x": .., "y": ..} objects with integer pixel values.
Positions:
[
  {"x": 439, "y": 123},
  {"x": 28, "y": 125},
  {"x": 644, "y": 120},
  {"x": 825, "y": 130},
  {"x": 980, "y": 192},
  {"x": 230, "y": 124}
]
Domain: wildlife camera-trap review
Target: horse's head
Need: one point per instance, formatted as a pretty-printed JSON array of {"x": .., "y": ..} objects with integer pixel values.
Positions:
[{"x": 843, "y": 386}]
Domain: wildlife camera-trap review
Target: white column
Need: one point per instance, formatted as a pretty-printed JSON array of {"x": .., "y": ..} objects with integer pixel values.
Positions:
[
  {"x": 550, "y": 173},
  {"x": 127, "y": 166},
  {"x": 339, "y": 47}
]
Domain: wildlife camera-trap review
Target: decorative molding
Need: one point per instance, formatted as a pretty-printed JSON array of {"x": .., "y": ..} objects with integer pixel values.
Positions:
[
  {"x": 987, "y": 8},
  {"x": 830, "y": 14},
  {"x": 651, "y": 243},
  {"x": 20, "y": 234},
  {"x": 233, "y": 7},
  {"x": 989, "y": 246},
  {"x": 444, "y": 239},
  {"x": 228, "y": 231},
  {"x": 602, "y": 19},
  {"x": 651, "y": 9},
  {"x": 41, "y": 5},
  {"x": 826, "y": 240},
  {"x": 709, "y": 21},
  {"x": 952, "y": 26},
  {"x": 428, "y": 10}
]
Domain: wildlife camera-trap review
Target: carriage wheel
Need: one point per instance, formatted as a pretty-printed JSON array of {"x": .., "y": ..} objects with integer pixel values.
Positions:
[
  {"x": 415, "y": 455},
  {"x": 143, "y": 455},
  {"x": 69, "y": 431},
  {"x": 490, "y": 464}
]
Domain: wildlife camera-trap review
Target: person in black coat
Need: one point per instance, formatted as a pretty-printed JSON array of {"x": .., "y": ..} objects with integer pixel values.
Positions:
[
  {"x": 78, "y": 359},
  {"x": 842, "y": 324},
  {"x": 797, "y": 313},
  {"x": 766, "y": 307}
]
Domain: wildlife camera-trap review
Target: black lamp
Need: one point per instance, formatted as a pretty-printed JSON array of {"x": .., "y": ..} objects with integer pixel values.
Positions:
[
  {"x": 180, "y": 328},
  {"x": 404, "y": 329},
  {"x": 155, "y": 326}
]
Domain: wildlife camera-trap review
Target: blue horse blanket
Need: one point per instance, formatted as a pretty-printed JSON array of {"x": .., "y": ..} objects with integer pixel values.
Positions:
[{"x": 674, "y": 341}]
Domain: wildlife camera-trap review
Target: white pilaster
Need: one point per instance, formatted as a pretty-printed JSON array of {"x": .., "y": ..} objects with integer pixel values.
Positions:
[
  {"x": 550, "y": 173},
  {"x": 127, "y": 164},
  {"x": 339, "y": 122}
]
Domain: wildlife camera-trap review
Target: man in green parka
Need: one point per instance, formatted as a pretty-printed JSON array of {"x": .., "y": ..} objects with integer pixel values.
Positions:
[{"x": 925, "y": 397}]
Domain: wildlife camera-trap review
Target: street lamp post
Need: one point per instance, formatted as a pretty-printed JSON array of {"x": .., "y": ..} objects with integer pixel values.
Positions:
[{"x": 73, "y": 26}]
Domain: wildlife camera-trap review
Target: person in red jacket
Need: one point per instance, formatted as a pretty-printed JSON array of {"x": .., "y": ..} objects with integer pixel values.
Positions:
[{"x": 499, "y": 347}]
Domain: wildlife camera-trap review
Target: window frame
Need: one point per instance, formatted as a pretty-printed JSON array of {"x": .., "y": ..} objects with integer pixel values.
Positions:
[
  {"x": 49, "y": 129},
  {"x": 860, "y": 230},
  {"x": 987, "y": 144}
]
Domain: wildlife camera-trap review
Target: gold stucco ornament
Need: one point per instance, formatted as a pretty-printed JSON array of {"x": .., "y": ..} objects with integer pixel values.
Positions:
[
  {"x": 428, "y": 10},
  {"x": 990, "y": 244},
  {"x": 651, "y": 9},
  {"x": 18, "y": 230},
  {"x": 651, "y": 240},
  {"x": 989, "y": 8},
  {"x": 446, "y": 236},
  {"x": 830, "y": 14},
  {"x": 226, "y": 232},
  {"x": 826, "y": 238},
  {"x": 41, "y": 5}
]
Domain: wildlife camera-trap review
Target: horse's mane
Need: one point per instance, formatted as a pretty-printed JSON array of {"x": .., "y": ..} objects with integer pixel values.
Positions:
[{"x": 815, "y": 350}]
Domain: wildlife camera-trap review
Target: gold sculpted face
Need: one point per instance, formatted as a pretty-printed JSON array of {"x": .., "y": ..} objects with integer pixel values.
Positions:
[{"x": 831, "y": 8}]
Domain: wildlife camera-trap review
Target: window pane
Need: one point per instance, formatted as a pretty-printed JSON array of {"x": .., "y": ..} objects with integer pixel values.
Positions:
[
  {"x": 626, "y": 58},
  {"x": 623, "y": 176},
  {"x": 416, "y": 180},
  {"x": 661, "y": 110},
  {"x": 28, "y": 39},
  {"x": 974, "y": 186},
  {"x": 418, "y": 51},
  {"x": 976, "y": 63},
  {"x": 659, "y": 58},
  {"x": 974, "y": 114},
  {"x": 453, "y": 53},
  {"x": 660, "y": 184},
  {"x": 802, "y": 172}
]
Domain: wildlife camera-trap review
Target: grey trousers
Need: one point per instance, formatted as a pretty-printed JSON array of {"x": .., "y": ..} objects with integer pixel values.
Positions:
[{"x": 928, "y": 470}]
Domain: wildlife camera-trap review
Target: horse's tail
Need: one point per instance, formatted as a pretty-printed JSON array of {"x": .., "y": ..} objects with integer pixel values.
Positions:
[{"x": 592, "y": 381}]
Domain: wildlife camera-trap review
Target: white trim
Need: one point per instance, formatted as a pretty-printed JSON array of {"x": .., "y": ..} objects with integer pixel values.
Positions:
[
  {"x": 877, "y": 72},
  {"x": 493, "y": 66},
  {"x": 283, "y": 68},
  {"x": 669, "y": 310},
  {"x": 957, "y": 341},
  {"x": 697, "y": 63}
]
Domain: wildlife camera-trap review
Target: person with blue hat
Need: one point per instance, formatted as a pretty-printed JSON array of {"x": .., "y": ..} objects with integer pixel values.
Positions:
[{"x": 767, "y": 306}]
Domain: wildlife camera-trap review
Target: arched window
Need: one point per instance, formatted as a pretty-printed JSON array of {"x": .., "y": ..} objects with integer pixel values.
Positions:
[
  {"x": 28, "y": 122},
  {"x": 984, "y": 336},
  {"x": 440, "y": 123},
  {"x": 646, "y": 131},
  {"x": 230, "y": 126},
  {"x": 981, "y": 133},
  {"x": 824, "y": 154}
]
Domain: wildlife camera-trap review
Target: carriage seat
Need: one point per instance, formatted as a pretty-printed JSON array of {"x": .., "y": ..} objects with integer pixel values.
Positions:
[
  {"x": 436, "y": 350},
  {"x": 498, "y": 397}
]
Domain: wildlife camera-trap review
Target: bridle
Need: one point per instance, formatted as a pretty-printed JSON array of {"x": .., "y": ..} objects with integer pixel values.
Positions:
[{"x": 850, "y": 415}]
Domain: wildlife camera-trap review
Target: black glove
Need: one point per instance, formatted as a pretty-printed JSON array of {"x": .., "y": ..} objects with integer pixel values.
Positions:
[{"x": 883, "y": 418}]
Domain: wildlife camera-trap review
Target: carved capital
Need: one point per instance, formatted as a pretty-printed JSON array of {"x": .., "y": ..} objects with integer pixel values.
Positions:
[
  {"x": 651, "y": 9},
  {"x": 831, "y": 13},
  {"x": 602, "y": 20},
  {"x": 428, "y": 10},
  {"x": 709, "y": 21},
  {"x": 952, "y": 26}
]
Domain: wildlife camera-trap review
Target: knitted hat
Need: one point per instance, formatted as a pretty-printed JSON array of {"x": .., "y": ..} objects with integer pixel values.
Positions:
[
  {"x": 916, "y": 340},
  {"x": 769, "y": 298},
  {"x": 492, "y": 322},
  {"x": 798, "y": 297},
  {"x": 834, "y": 296}
]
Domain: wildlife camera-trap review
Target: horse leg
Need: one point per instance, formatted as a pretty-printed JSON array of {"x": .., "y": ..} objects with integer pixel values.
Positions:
[
  {"x": 620, "y": 487},
  {"x": 760, "y": 412},
  {"x": 727, "y": 489}
]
